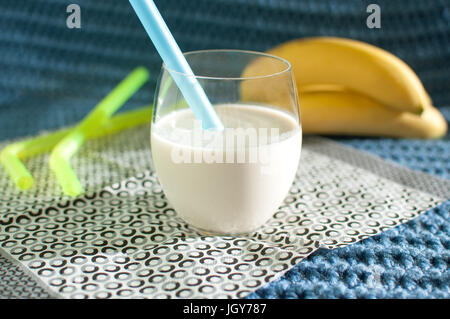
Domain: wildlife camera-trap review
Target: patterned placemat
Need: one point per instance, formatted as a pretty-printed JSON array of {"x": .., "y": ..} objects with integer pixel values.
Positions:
[{"x": 124, "y": 240}]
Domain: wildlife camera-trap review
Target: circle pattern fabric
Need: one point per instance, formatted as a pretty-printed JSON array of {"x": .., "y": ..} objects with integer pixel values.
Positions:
[{"x": 126, "y": 241}]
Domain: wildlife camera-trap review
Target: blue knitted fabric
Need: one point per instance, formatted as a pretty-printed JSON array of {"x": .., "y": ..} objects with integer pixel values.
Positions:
[
  {"x": 409, "y": 261},
  {"x": 52, "y": 76}
]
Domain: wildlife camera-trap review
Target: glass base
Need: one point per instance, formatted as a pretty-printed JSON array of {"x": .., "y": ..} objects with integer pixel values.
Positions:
[{"x": 205, "y": 232}]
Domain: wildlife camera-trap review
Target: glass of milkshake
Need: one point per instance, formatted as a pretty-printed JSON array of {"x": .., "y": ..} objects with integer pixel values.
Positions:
[{"x": 230, "y": 181}]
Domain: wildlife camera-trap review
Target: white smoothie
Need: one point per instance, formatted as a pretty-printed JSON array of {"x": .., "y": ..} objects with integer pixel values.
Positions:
[{"x": 221, "y": 193}]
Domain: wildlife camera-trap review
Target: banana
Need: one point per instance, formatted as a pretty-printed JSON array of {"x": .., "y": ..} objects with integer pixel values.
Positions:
[
  {"x": 354, "y": 65},
  {"x": 346, "y": 87},
  {"x": 349, "y": 113}
]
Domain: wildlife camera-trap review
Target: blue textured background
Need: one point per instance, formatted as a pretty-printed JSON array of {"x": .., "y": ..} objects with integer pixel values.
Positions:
[{"x": 52, "y": 76}]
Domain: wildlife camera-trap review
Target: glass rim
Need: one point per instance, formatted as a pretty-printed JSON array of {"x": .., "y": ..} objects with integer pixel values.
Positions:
[{"x": 248, "y": 52}]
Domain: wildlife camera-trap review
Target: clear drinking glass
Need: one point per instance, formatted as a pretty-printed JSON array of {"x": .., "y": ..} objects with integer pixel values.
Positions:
[{"x": 231, "y": 181}]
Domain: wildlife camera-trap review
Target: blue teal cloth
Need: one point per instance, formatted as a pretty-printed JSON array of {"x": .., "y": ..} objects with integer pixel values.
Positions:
[
  {"x": 52, "y": 76},
  {"x": 409, "y": 261}
]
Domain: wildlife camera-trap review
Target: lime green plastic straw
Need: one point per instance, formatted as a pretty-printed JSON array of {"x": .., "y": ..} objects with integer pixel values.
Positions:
[
  {"x": 69, "y": 145},
  {"x": 11, "y": 156}
]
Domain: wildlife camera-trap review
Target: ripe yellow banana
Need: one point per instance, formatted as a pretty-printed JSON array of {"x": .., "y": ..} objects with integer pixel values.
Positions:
[
  {"x": 352, "y": 64},
  {"x": 349, "y": 113}
]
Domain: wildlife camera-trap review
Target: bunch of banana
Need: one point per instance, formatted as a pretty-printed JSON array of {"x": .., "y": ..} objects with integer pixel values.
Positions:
[{"x": 353, "y": 88}]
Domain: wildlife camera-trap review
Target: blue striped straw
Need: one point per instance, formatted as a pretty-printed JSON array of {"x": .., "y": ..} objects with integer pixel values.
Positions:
[{"x": 176, "y": 63}]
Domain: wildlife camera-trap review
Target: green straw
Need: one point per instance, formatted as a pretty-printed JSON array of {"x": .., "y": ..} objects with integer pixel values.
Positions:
[
  {"x": 69, "y": 145},
  {"x": 11, "y": 156}
]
